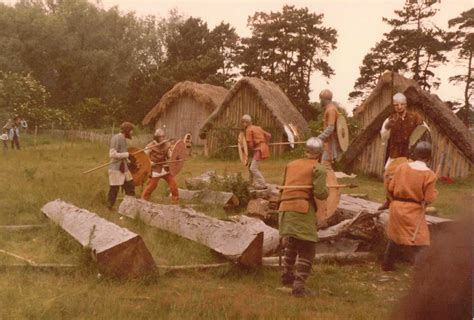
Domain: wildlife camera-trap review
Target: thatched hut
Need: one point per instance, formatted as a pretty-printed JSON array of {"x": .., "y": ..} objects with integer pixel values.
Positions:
[
  {"x": 268, "y": 105},
  {"x": 185, "y": 108},
  {"x": 452, "y": 141}
]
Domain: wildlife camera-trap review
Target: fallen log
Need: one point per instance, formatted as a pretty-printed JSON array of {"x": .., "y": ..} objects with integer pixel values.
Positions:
[
  {"x": 117, "y": 251},
  {"x": 259, "y": 208},
  {"x": 201, "y": 182},
  {"x": 340, "y": 257},
  {"x": 225, "y": 199},
  {"x": 244, "y": 240}
]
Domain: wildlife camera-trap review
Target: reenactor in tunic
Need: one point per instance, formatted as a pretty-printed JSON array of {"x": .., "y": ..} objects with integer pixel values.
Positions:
[
  {"x": 329, "y": 134},
  {"x": 297, "y": 220},
  {"x": 119, "y": 174},
  {"x": 412, "y": 187},
  {"x": 257, "y": 140},
  {"x": 159, "y": 152},
  {"x": 396, "y": 132}
]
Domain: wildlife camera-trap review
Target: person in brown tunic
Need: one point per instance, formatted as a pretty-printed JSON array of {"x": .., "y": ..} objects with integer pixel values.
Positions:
[
  {"x": 396, "y": 131},
  {"x": 329, "y": 134},
  {"x": 413, "y": 187},
  {"x": 257, "y": 140},
  {"x": 159, "y": 154}
]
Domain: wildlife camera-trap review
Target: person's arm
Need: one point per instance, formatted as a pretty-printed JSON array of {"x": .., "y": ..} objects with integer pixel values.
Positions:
[
  {"x": 113, "y": 154},
  {"x": 267, "y": 135},
  {"x": 332, "y": 117},
  {"x": 384, "y": 132},
  {"x": 249, "y": 137},
  {"x": 430, "y": 192},
  {"x": 320, "y": 189}
]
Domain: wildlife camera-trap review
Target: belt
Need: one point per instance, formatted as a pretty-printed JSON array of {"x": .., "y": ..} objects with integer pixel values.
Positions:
[{"x": 406, "y": 200}]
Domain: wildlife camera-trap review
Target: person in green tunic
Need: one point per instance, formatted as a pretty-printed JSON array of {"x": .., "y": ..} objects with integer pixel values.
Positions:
[{"x": 305, "y": 179}]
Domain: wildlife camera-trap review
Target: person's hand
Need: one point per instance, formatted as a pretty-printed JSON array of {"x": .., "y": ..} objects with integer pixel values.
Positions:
[{"x": 389, "y": 125}]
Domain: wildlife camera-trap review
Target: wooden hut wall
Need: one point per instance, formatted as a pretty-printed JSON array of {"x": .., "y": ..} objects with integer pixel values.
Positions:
[
  {"x": 243, "y": 102},
  {"x": 185, "y": 115},
  {"x": 371, "y": 160}
]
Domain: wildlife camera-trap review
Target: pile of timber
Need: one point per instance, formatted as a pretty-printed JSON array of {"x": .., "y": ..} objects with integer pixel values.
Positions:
[{"x": 117, "y": 251}]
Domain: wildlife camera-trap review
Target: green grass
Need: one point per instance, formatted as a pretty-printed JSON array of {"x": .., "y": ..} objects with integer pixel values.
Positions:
[{"x": 52, "y": 169}]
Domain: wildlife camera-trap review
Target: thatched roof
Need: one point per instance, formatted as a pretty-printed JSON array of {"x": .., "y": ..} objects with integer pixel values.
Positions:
[
  {"x": 270, "y": 95},
  {"x": 207, "y": 95},
  {"x": 431, "y": 105}
]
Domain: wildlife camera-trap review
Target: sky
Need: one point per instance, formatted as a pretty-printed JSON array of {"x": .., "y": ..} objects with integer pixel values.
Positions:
[{"x": 359, "y": 25}]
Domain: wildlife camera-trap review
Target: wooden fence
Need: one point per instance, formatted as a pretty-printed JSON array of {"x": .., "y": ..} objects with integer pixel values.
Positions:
[{"x": 103, "y": 138}]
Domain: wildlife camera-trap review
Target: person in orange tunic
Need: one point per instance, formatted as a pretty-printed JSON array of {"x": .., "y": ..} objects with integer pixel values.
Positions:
[
  {"x": 329, "y": 134},
  {"x": 413, "y": 187},
  {"x": 257, "y": 140},
  {"x": 158, "y": 154}
]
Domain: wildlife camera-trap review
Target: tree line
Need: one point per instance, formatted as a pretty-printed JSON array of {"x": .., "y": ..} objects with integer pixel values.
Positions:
[{"x": 72, "y": 63}]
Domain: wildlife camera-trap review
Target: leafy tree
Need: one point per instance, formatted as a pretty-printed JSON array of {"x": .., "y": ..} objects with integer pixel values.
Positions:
[
  {"x": 414, "y": 45},
  {"x": 464, "y": 44},
  {"x": 287, "y": 47}
]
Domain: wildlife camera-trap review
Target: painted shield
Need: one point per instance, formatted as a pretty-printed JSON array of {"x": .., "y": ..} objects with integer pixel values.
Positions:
[
  {"x": 243, "y": 148},
  {"x": 139, "y": 166},
  {"x": 326, "y": 208},
  {"x": 290, "y": 135},
  {"x": 177, "y": 157},
  {"x": 342, "y": 132},
  {"x": 421, "y": 133}
]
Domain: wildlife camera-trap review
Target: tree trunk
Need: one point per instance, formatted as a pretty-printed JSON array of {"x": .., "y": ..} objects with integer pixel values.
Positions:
[
  {"x": 244, "y": 240},
  {"x": 225, "y": 199},
  {"x": 467, "y": 105},
  {"x": 118, "y": 251}
]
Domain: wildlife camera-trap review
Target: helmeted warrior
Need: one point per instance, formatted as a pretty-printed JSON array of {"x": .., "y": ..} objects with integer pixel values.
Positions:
[
  {"x": 297, "y": 220},
  {"x": 395, "y": 133},
  {"x": 159, "y": 152},
  {"x": 412, "y": 187},
  {"x": 257, "y": 140},
  {"x": 329, "y": 134},
  {"x": 119, "y": 174}
]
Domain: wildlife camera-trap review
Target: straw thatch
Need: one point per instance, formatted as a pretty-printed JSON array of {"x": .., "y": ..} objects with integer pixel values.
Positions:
[
  {"x": 209, "y": 96},
  {"x": 450, "y": 136},
  {"x": 270, "y": 95}
]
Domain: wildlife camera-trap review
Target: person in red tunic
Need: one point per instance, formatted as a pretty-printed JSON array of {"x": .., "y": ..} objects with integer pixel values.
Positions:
[
  {"x": 257, "y": 140},
  {"x": 395, "y": 133},
  {"x": 159, "y": 152},
  {"x": 412, "y": 188}
]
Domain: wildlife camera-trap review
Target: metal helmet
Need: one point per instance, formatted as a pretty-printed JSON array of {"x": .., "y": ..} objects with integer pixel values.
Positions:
[
  {"x": 126, "y": 127},
  {"x": 326, "y": 94},
  {"x": 314, "y": 146},
  {"x": 422, "y": 151},
  {"x": 159, "y": 133},
  {"x": 247, "y": 117},
  {"x": 399, "y": 98}
]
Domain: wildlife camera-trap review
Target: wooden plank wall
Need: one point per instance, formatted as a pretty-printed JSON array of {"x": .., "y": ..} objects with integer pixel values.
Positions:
[
  {"x": 371, "y": 160},
  {"x": 185, "y": 115},
  {"x": 244, "y": 102}
]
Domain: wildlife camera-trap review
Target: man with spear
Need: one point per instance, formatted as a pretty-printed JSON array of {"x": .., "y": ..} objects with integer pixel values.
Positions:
[
  {"x": 119, "y": 174},
  {"x": 158, "y": 150}
]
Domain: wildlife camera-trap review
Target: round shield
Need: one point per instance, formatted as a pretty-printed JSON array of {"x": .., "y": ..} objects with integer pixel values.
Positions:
[
  {"x": 243, "y": 149},
  {"x": 139, "y": 166},
  {"x": 421, "y": 133},
  {"x": 290, "y": 135},
  {"x": 178, "y": 157},
  {"x": 326, "y": 208},
  {"x": 342, "y": 132}
]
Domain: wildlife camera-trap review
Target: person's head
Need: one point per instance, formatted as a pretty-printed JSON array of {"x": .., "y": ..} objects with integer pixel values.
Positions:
[
  {"x": 422, "y": 151},
  {"x": 325, "y": 97},
  {"x": 246, "y": 120},
  {"x": 17, "y": 119},
  {"x": 313, "y": 148},
  {"x": 127, "y": 129},
  {"x": 159, "y": 135},
  {"x": 399, "y": 103}
]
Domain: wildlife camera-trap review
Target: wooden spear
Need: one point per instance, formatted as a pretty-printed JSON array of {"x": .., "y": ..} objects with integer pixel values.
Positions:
[
  {"x": 273, "y": 144},
  {"x": 118, "y": 160},
  {"x": 310, "y": 187}
]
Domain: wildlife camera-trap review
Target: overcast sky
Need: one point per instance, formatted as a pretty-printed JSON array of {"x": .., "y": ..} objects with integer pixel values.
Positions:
[{"x": 358, "y": 23}]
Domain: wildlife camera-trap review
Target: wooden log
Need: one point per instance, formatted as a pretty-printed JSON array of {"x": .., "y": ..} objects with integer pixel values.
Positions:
[
  {"x": 118, "y": 251},
  {"x": 201, "y": 182},
  {"x": 243, "y": 239},
  {"x": 225, "y": 199},
  {"x": 339, "y": 257},
  {"x": 259, "y": 208}
]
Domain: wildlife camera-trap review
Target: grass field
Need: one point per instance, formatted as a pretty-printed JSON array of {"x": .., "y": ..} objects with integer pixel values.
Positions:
[{"x": 52, "y": 169}]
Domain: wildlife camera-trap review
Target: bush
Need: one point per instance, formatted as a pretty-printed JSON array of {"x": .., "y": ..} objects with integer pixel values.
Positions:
[{"x": 234, "y": 183}]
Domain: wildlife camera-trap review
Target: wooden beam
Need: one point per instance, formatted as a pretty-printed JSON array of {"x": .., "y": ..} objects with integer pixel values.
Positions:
[{"x": 118, "y": 251}]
